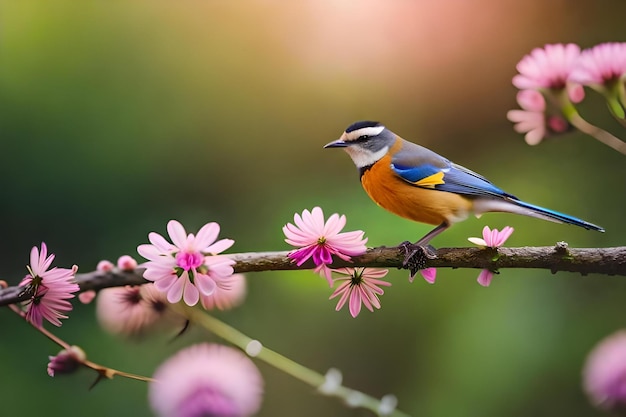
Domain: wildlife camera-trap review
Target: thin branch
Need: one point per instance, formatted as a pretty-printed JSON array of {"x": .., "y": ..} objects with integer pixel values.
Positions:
[{"x": 606, "y": 261}]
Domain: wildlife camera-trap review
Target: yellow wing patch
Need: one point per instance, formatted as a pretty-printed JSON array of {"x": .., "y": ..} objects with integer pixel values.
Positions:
[{"x": 431, "y": 180}]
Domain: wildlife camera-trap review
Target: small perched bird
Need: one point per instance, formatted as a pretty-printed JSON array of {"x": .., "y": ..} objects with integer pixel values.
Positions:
[{"x": 418, "y": 184}]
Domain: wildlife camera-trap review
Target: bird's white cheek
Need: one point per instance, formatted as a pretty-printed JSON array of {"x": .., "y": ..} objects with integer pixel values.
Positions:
[{"x": 362, "y": 157}]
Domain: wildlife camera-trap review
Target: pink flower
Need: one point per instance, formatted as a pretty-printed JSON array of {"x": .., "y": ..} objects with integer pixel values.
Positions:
[
  {"x": 532, "y": 123},
  {"x": 604, "y": 374},
  {"x": 320, "y": 240},
  {"x": 50, "y": 288},
  {"x": 491, "y": 239},
  {"x": 206, "y": 380},
  {"x": 87, "y": 296},
  {"x": 135, "y": 310},
  {"x": 429, "y": 275},
  {"x": 531, "y": 100},
  {"x": 548, "y": 68},
  {"x": 533, "y": 119},
  {"x": 360, "y": 286},
  {"x": 601, "y": 65},
  {"x": 229, "y": 293},
  {"x": 190, "y": 266},
  {"x": 126, "y": 263},
  {"x": 105, "y": 266},
  {"x": 66, "y": 361}
]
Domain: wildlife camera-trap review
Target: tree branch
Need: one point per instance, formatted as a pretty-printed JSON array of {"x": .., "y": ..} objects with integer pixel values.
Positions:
[{"x": 607, "y": 261}]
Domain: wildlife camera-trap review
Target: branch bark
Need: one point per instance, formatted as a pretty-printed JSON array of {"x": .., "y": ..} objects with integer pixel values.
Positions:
[{"x": 606, "y": 261}]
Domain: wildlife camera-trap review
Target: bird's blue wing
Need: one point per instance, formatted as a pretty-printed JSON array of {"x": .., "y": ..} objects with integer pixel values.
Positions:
[
  {"x": 423, "y": 168},
  {"x": 461, "y": 180}
]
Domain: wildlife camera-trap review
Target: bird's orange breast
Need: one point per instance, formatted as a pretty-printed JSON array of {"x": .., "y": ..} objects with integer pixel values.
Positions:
[{"x": 411, "y": 202}]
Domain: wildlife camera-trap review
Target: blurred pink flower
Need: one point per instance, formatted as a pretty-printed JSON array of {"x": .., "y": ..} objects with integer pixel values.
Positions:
[
  {"x": 126, "y": 263},
  {"x": 135, "y": 310},
  {"x": 601, "y": 65},
  {"x": 532, "y": 123},
  {"x": 105, "y": 266},
  {"x": 66, "y": 361},
  {"x": 87, "y": 296},
  {"x": 491, "y": 239},
  {"x": 533, "y": 119},
  {"x": 190, "y": 266},
  {"x": 548, "y": 67},
  {"x": 230, "y": 292},
  {"x": 531, "y": 100},
  {"x": 206, "y": 380},
  {"x": 51, "y": 288},
  {"x": 321, "y": 239},
  {"x": 604, "y": 373},
  {"x": 360, "y": 286}
]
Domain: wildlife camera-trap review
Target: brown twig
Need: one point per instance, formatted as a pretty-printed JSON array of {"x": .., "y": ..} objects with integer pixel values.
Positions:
[{"x": 606, "y": 261}]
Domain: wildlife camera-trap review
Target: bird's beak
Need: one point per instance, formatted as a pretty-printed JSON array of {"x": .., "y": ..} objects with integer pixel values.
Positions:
[{"x": 339, "y": 143}]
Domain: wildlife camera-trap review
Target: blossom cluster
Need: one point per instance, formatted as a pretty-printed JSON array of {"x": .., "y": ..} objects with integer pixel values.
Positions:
[
  {"x": 210, "y": 379},
  {"x": 551, "y": 81},
  {"x": 318, "y": 239}
]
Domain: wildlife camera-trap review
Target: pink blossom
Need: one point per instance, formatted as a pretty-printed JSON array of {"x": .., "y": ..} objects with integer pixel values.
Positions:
[
  {"x": 429, "y": 275},
  {"x": 230, "y": 292},
  {"x": 319, "y": 239},
  {"x": 360, "y": 286},
  {"x": 604, "y": 373},
  {"x": 206, "y": 380},
  {"x": 531, "y": 100},
  {"x": 601, "y": 65},
  {"x": 532, "y": 123},
  {"x": 135, "y": 311},
  {"x": 549, "y": 68},
  {"x": 51, "y": 288},
  {"x": 105, "y": 266},
  {"x": 66, "y": 361},
  {"x": 533, "y": 119},
  {"x": 87, "y": 296},
  {"x": 189, "y": 266},
  {"x": 491, "y": 239},
  {"x": 126, "y": 263}
]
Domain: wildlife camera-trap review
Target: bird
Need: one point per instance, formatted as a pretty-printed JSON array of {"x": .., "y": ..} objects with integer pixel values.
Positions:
[{"x": 418, "y": 184}]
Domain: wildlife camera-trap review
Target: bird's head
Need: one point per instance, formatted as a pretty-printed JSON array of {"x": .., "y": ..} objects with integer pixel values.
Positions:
[{"x": 366, "y": 142}]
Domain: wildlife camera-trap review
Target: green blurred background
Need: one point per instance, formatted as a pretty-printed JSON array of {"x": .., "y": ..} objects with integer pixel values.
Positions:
[{"x": 118, "y": 116}]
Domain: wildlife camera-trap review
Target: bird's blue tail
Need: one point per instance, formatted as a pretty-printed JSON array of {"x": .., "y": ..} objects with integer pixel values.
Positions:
[{"x": 555, "y": 215}]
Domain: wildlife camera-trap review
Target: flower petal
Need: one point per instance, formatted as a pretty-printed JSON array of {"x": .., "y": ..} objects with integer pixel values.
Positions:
[
  {"x": 205, "y": 284},
  {"x": 175, "y": 291},
  {"x": 484, "y": 278},
  {"x": 191, "y": 295},
  {"x": 177, "y": 233},
  {"x": 477, "y": 241},
  {"x": 219, "y": 246},
  {"x": 429, "y": 274},
  {"x": 207, "y": 235},
  {"x": 355, "y": 302}
]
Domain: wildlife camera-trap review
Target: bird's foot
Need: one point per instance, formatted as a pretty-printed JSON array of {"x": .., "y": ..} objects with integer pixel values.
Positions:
[{"x": 415, "y": 256}]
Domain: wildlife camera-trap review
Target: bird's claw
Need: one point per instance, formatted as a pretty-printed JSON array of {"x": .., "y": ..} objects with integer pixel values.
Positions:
[{"x": 415, "y": 256}]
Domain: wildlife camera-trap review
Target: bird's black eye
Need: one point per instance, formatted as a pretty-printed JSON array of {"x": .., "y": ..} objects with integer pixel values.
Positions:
[{"x": 362, "y": 138}]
